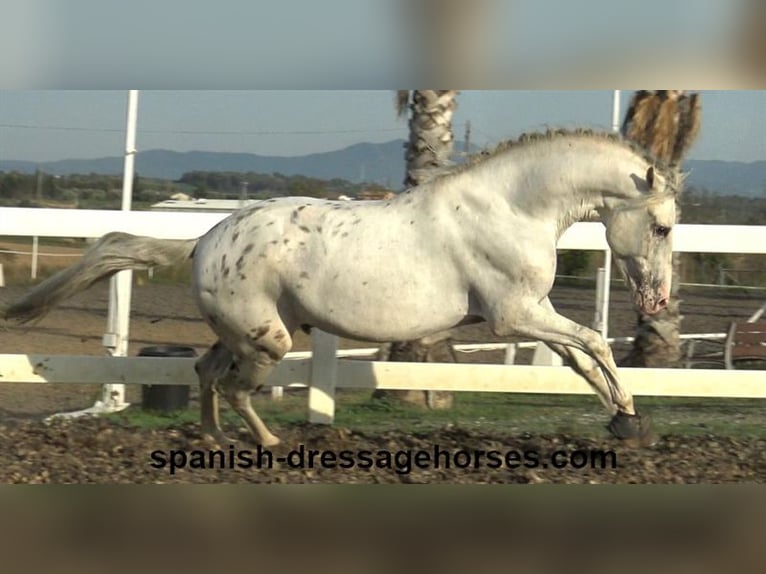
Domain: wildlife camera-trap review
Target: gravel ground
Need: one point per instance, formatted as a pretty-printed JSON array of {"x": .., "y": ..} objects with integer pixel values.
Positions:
[{"x": 111, "y": 451}]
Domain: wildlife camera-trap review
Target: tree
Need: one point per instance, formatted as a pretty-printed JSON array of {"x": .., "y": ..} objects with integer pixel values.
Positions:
[
  {"x": 430, "y": 146},
  {"x": 666, "y": 122}
]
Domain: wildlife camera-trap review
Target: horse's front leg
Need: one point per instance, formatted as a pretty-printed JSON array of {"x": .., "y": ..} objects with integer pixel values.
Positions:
[{"x": 538, "y": 320}]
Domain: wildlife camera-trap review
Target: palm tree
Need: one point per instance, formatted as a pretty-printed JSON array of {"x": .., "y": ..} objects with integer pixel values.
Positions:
[
  {"x": 431, "y": 139},
  {"x": 666, "y": 122},
  {"x": 429, "y": 147}
]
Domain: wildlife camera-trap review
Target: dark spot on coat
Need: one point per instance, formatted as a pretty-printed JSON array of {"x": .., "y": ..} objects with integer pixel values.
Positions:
[
  {"x": 279, "y": 335},
  {"x": 302, "y": 243},
  {"x": 273, "y": 242},
  {"x": 304, "y": 229},
  {"x": 364, "y": 283},
  {"x": 319, "y": 228},
  {"x": 304, "y": 275},
  {"x": 356, "y": 221},
  {"x": 248, "y": 248},
  {"x": 302, "y": 207},
  {"x": 273, "y": 355},
  {"x": 457, "y": 208},
  {"x": 294, "y": 216},
  {"x": 258, "y": 332},
  {"x": 242, "y": 276},
  {"x": 240, "y": 262},
  {"x": 225, "y": 272},
  {"x": 270, "y": 223},
  {"x": 412, "y": 221},
  {"x": 235, "y": 236},
  {"x": 345, "y": 233},
  {"x": 286, "y": 241}
]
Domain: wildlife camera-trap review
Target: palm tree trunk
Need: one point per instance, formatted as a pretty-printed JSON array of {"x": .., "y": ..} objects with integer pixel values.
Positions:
[
  {"x": 431, "y": 139},
  {"x": 430, "y": 146},
  {"x": 666, "y": 123}
]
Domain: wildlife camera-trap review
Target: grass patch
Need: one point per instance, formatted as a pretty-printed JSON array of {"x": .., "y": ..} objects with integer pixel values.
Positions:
[{"x": 580, "y": 415}]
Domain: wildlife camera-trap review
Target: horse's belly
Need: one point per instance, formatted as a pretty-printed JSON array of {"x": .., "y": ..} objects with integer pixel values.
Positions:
[{"x": 372, "y": 317}]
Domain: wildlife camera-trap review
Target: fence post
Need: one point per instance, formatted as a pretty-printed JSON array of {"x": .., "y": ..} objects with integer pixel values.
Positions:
[
  {"x": 603, "y": 286},
  {"x": 545, "y": 357},
  {"x": 35, "y": 254},
  {"x": 510, "y": 353},
  {"x": 322, "y": 377}
]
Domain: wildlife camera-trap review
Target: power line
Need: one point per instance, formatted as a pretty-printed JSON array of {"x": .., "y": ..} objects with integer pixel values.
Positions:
[{"x": 204, "y": 132}]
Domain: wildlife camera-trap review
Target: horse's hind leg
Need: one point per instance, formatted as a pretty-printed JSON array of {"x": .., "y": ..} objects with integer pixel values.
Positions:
[
  {"x": 248, "y": 376},
  {"x": 211, "y": 367},
  {"x": 248, "y": 373}
]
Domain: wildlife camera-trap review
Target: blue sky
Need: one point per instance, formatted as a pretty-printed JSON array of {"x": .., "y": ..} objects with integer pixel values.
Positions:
[{"x": 52, "y": 125}]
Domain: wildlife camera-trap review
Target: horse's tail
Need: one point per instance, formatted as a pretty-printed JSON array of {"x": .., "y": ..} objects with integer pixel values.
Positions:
[{"x": 112, "y": 253}]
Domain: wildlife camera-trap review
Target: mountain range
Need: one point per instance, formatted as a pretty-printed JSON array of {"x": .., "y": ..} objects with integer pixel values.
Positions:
[{"x": 381, "y": 163}]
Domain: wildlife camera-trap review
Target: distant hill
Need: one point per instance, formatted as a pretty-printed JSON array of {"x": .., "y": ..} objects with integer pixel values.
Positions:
[
  {"x": 364, "y": 162},
  {"x": 727, "y": 177}
]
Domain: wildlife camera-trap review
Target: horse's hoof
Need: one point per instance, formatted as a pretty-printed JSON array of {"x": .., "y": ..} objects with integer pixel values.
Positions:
[
  {"x": 270, "y": 440},
  {"x": 218, "y": 439},
  {"x": 634, "y": 430}
]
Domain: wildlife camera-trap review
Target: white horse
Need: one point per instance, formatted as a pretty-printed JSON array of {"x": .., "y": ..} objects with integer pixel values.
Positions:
[{"x": 475, "y": 243}]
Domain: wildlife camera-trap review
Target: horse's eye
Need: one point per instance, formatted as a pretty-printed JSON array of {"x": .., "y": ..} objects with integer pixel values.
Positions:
[{"x": 661, "y": 231}]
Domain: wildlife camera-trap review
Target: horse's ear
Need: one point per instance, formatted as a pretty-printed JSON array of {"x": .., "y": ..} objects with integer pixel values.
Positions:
[{"x": 650, "y": 177}]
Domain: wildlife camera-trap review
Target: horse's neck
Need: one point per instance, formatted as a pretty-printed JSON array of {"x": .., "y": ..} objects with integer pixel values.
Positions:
[{"x": 564, "y": 184}]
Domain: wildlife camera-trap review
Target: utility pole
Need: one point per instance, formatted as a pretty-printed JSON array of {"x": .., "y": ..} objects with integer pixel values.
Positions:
[
  {"x": 39, "y": 187},
  {"x": 243, "y": 194},
  {"x": 467, "y": 139}
]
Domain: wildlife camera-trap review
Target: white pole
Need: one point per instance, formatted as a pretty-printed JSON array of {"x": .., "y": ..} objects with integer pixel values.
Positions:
[
  {"x": 604, "y": 303},
  {"x": 605, "y": 295},
  {"x": 116, "y": 338},
  {"x": 616, "y": 111},
  {"x": 35, "y": 255}
]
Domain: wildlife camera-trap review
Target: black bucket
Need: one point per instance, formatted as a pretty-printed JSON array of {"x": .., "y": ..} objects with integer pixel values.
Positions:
[{"x": 165, "y": 398}]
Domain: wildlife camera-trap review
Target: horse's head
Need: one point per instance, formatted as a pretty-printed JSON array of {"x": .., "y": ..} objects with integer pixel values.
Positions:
[{"x": 639, "y": 232}]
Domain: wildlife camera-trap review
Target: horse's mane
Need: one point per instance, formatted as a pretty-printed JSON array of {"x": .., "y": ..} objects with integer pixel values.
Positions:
[{"x": 526, "y": 139}]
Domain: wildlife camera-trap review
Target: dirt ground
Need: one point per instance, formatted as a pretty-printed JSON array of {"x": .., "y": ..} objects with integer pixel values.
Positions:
[{"x": 104, "y": 451}]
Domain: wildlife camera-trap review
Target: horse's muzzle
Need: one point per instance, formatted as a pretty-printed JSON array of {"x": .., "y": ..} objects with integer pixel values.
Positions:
[{"x": 652, "y": 302}]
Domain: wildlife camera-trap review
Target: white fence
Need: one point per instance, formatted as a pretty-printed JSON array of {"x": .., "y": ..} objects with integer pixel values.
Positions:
[{"x": 325, "y": 372}]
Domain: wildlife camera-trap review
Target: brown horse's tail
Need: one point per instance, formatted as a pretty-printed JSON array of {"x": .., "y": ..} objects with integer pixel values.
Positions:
[{"x": 112, "y": 253}]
